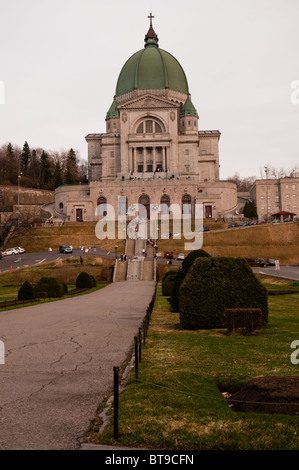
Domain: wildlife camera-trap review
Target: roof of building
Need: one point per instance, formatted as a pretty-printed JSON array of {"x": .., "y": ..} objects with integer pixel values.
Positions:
[{"x": 151, "y": 68}]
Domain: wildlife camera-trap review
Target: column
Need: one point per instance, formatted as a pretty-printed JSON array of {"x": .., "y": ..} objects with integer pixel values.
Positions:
[
  {"x": 154, "y": 158},
  {"x": 163, "y": 159},
  {"x": 144, "y": 159}
]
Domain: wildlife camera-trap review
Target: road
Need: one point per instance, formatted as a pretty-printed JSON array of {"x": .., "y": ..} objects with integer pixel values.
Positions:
[
  {"x": 31, "y": 259},
  {"x": 59, "y": 363}
]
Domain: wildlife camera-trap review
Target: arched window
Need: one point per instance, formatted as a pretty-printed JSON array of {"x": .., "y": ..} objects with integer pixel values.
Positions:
[
  {"x": 165, "y": 204},
  {"x": 150, "y": 126},
  {"x": 61, "y": 205},
  {"x": 101, "y": 206},
  {"x": 186, "y": 204},
  {"x": 144, "y": 206}
]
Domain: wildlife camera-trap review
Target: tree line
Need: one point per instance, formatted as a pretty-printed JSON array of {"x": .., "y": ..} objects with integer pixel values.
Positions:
[{"x": 40, "y": 169}]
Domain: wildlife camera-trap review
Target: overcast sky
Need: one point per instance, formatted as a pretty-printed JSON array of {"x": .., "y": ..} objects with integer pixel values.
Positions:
[{"x": 60, "y": 60}]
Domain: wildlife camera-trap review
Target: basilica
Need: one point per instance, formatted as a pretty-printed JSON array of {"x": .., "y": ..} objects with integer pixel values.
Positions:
[{"x": 152, "y": 152}]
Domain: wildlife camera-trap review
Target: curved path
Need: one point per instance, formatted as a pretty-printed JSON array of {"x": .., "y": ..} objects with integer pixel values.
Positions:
[{"x": 59, "y": 363}]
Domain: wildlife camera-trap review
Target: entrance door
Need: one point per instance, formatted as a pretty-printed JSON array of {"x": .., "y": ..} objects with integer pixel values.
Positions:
[
  {"x": 79, "y": 215},
  {"x": 208, "y": 212}
]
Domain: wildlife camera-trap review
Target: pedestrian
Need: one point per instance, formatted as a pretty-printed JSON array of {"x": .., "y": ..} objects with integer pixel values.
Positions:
[{"x": 81, "y": 260}]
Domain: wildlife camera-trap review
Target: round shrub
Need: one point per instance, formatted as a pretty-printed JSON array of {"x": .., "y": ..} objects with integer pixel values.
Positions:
[
  {"x": 84, "y": 281},
  {"x": 94, "y": 281},
  {"x": 168, "y": 283},
  {"x": 181, "y": 274},
  {"x": 65, "y": 287},
  {"x": 26, "y": 291},
  {"x": 215, "y": 284},
  {"x": 49, "y": 285}
]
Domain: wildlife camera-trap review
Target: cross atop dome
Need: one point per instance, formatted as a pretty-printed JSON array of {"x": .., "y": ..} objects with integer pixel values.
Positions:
[
  {"x": 151, "y": 38},
  {"x": 151, "y": 17}
]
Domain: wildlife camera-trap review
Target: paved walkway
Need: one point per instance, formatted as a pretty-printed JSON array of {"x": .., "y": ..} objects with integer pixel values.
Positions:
[{"x": 59, "y": 363}]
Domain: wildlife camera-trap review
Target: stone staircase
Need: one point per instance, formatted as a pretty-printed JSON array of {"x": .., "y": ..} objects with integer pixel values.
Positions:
[{"x": 141, "y": 269}]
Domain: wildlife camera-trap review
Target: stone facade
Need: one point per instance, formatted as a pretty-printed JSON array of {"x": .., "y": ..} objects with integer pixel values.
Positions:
[
  {"x": 275, "y": 195},
  {"x": 152, "y": 151}
]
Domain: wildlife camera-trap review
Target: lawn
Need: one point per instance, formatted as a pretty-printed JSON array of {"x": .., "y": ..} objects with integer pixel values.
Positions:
[{"x": 178, "y": 402}]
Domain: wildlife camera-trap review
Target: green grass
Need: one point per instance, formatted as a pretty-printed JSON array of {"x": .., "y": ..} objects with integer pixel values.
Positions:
[{"x": 178, "y": 403}]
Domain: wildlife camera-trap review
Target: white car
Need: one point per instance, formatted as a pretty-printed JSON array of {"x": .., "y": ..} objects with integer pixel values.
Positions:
[
  {"x": 181, "y": 256},
  {"x": 19, "y": 249},
  {"x": 10, "y": 251}
]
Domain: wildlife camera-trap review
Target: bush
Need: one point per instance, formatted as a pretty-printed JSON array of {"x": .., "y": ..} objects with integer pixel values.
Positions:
[
  {"x": 65, "y": 287},
  {"x": 26, "y": 291},
  {"x": 244, "y": 320},
  {"x": 94, "y": 280},
  {"x": 168, "y": 283},
  {"x": 84, "y": 281},
  {"x": 214, "y": 284},
  {"x": 181, "y": 274},
  {"x": 50, "y": 285}
]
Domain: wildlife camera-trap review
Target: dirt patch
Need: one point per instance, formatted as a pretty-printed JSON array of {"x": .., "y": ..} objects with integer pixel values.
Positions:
[{"x": 268, "y": 395}]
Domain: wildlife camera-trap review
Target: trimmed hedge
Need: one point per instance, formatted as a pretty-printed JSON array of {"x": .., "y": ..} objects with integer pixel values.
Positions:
[
  {"x": 168, "y": 283},
  {"x": 85, "y": 281},
  {"x": 214, "y": 284},
  {"x": 26, "y": 291},
  {"x": 181, "y": 274},
  {"x": 52, "y": 286}
]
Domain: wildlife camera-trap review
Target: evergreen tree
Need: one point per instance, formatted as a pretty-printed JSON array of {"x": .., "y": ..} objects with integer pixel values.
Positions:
[
  {"x": 25, "y": 157},
  {"x": 45, "y": 169},
  {"x": 249, "y": 210},
  {"x": 58, "y": 181},
  {"x": 71, "y": 175}
]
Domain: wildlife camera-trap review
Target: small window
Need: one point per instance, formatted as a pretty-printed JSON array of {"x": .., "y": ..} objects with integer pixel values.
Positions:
[
  {"x": 112, "y": 154},
  {"x": 112, "y": 171},
  {"x": 187, "y": 168},
  {"x": 186, "y": 151},
  {"x": 203, "y": 152},
  {"x": 61, "y": 205}
]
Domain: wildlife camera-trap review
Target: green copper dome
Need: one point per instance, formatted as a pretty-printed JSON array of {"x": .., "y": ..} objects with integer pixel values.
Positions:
[{"x": 151, "y": 68}]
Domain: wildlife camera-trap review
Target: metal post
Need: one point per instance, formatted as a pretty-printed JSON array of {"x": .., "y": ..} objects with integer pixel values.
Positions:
[
  {"x": 115, "y": 405},
  {"x": 136, "y": 358},
  {"x": 139, "y": 342}
]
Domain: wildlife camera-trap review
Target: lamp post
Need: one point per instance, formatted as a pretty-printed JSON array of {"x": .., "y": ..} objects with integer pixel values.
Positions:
[
  {"x": 267, "y": 202},
  {"x": 115, "y": 249},
  {"x": 19, "y": 178}
]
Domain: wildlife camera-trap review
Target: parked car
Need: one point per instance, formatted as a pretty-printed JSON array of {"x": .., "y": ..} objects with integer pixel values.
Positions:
[
  {"x": 268, "y": 262},
  {"x": 204, "y": 229},
  {"x": 256, "y": 222},
  {"x": 233, "y": 225},
  {"x": 10, "y": 251},
  {"x": 181, "y": 257},
  {"x": 168, "y": 254},
  {"x": 244, "y": 224},
  {"x": 19, "y": 249},
  {"x": 65, "y": 249},
  {"x": 288, "y": 219},
  {"x": 275, "y": 221}
]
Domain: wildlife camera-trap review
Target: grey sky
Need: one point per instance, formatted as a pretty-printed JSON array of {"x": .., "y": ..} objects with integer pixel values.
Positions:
[{"x": 60, "y": 61}]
